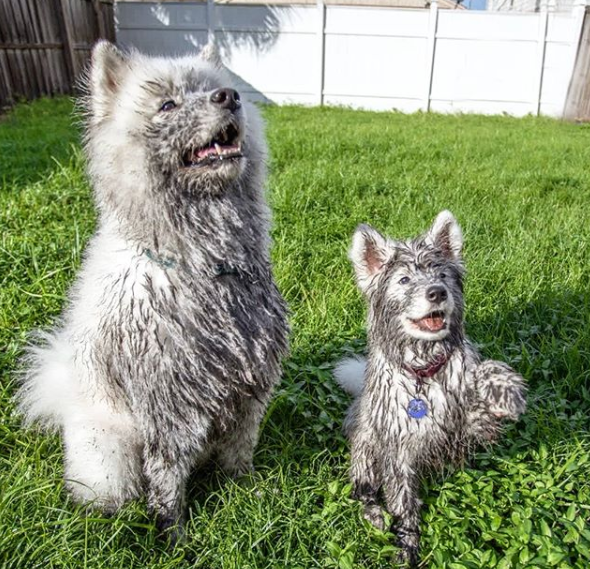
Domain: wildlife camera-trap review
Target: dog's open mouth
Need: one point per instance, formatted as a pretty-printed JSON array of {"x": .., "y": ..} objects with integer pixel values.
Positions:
[
  {"x": 433, "y": 322},
  {"x": 225, "y": 145}
]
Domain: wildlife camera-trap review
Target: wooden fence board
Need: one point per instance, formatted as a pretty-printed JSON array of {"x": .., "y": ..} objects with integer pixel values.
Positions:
[
  {"x": 37, "y": 54},
  {"x": 45, "y": 44},
  {"x": 577, "y": 106},
  {"x": 5, "y": 84},
  {"x": 35, "y": 75}
]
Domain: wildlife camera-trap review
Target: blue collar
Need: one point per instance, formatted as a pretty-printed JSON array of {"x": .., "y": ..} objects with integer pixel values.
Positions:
[{"x": 168, "y": 262}]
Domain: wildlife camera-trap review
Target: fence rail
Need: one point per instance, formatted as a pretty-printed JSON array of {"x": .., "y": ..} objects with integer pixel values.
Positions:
[{"x": 44, "y": 44}]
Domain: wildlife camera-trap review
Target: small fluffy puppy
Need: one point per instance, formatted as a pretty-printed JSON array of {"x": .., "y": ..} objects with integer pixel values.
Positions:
[
  {"x": 424, "y": 397},
  {"x": 174, "y": 331}
]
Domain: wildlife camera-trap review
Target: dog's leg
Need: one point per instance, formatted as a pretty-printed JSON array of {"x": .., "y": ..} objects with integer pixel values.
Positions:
[
  {"x": 168, "y": 460},
  {"x": 364, "y": 473},
  {"x": 501, "y": 389},
  {"x": 235, "y": 452},
  {"x": 402, "y": 501},
  {"x": 166, "y": 479},
  {"x": 102, "y": 458}
]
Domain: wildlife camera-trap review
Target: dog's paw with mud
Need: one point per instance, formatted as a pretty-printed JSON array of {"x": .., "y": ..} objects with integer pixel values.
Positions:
[{"x": 501, "y": 389}]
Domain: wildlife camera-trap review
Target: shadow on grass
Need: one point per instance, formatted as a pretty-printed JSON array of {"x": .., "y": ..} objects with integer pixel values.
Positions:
[{"x": 547, "y": 341}]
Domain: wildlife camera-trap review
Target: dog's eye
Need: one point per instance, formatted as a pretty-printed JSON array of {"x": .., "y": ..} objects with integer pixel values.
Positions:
[
  {"x": 404, "y": 280},
  {"x": 168, "y": 106},
  {"x": 443, "y": 275}
]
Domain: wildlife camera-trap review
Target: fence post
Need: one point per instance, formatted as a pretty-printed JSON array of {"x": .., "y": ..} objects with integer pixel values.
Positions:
[
  {"x": 210, "y": 21},
  {"x": 430, "y": 52},
  {"x": 541, "y": 49},
  {"x": 321, "y": 42}
]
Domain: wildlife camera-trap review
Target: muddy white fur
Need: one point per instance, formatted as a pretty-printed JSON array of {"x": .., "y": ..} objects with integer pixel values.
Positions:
[
  {"x": 417, "y": 351},
  {"x": 171, "y": 342}
]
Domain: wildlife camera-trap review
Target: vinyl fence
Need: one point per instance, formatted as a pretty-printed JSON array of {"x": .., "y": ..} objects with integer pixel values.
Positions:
[
  {"x": 44, "y": 44},
  {"x": 375, "y": 57}
]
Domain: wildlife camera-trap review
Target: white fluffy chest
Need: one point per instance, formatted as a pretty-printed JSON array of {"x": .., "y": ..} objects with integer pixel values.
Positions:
[{"x": 116, "y": 276}]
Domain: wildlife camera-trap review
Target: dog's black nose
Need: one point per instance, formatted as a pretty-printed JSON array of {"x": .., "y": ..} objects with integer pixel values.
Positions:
[
  {"x": 436, "y": 293},
  {"x": 226, "y": 99}
]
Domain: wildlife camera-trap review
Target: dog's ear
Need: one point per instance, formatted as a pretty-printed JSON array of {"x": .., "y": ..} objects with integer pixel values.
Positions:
[
  {"x": 446, "y": 235},
  {"x": 107, "y": 69},
  {"x": 210, "y": 54},
  {"x": 369, "y": 254}
]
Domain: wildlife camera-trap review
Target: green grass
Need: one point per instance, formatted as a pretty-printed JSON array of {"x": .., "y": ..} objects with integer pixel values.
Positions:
[{"x": 521, "y": 191}]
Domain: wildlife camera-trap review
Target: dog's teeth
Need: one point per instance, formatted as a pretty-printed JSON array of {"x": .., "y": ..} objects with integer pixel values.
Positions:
[{"x": 218, "y": 149}]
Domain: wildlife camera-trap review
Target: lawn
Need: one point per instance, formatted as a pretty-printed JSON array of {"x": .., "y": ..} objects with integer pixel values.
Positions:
[{"x": 520, "y": 189}]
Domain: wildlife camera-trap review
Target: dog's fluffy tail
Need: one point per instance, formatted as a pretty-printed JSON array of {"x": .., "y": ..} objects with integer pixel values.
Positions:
[
  {"x": 47, "y": 393},
  {"x": 350, "y": 374}
]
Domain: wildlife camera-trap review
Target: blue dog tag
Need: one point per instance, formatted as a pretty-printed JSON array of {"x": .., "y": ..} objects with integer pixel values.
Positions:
[{"x": 417, "y": 408}]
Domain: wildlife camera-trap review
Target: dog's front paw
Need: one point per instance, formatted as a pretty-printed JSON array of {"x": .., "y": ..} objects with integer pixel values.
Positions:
[
  {"x": 234, "y": 462},
  {"x": 374, "y": 515},
  {"x": 408, "y": 556},
  {"x": 170, "y": 529},
  {"x": 501, "y": 389},
  {"x": 238, "y": 469},
  {"x": 409, "y": 542}
]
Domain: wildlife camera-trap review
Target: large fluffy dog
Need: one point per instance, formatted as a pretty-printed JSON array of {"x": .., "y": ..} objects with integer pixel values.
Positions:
[
  {"x": 174, "y": 332},
  {"x": 424, "y": 396}
]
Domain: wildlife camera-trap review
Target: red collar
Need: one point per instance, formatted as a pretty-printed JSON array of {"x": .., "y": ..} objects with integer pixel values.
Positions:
[{"x": 430, "y": 369}]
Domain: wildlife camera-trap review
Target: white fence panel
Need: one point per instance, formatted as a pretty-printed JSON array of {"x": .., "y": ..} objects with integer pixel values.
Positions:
[
  {"x": 159, "y": 29},
  {"x": 560, "y": 28},
  {"x": 485, "y": 26},
  {"x": 168, "y": 16},
  {"x": 558, "y": 66},
  {"x": 266, "y": 19},
  {"x": 375, "y": 58},
  {"x": 272, "y": 49},
  {"x": 485, "y": 61},
  {"x": 159, "y": 42},
  {"x": 267, "y": 76},
  {"x": 356, "y": 21},
  {"x": 372, "y": 56}
]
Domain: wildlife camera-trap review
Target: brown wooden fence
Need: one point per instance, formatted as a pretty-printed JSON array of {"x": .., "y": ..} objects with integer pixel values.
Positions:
[
  {"x": 44, "y": 44},
  {"x": 577, "y": 106}
]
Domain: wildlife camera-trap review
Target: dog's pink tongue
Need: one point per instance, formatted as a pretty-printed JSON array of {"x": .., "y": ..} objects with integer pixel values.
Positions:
[
  {"x": 217, "y": 150},
  {"x": 433, "y": 323},
  {"x": 206, "y": 152}
]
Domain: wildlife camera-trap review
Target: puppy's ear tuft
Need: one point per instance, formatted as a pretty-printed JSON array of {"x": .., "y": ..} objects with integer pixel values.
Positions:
[
  {"x": 445, "y": 234},
  {"x": 369, "y": 254},
  {"x": 107, "y": 69}
]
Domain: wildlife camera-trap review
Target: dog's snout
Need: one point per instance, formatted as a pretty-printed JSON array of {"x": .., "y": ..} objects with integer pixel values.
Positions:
[
  {"x": 226, "y": 98},
  {"x": 436, "y": 293}
]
